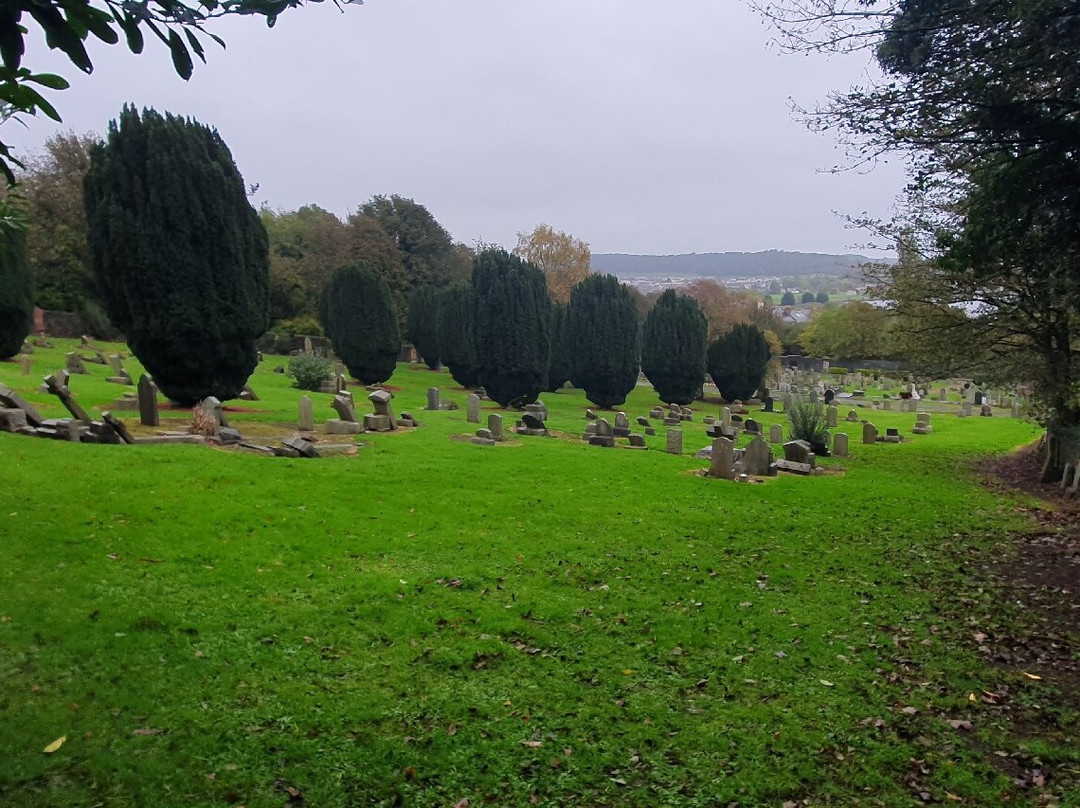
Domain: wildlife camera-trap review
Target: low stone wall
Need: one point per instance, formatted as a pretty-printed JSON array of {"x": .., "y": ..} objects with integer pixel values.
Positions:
[{"x": 63, "y": 324}]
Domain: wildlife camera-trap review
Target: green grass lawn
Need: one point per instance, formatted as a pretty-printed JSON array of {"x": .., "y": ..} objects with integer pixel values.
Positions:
[{"x": 430, "y": 621}]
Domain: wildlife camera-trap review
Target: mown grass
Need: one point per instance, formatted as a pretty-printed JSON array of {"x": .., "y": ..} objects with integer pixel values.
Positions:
[{"x": 430, "y": 621}]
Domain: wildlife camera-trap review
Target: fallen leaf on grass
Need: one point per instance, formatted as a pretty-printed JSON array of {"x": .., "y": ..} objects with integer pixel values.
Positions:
[
  {"x": 48, "y": 750},
  {"x": 1031, "y": 676},
  {"x": 825, "y": 682},
  {"x": 142, "y": 731},
  {"x": 532, "y": 744},
  {"x": 452, "y": 729}
]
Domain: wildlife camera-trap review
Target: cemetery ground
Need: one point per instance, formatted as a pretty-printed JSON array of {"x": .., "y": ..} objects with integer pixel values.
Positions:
[{"x": 435, "y": 623}]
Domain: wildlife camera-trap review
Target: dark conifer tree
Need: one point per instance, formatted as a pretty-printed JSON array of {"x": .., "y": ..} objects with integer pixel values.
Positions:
[
  {"x": 16, "y": 282},
  {"x": 457, "y": 347},
  {"x": 359, "y": 319},
  {"x": 603, "y": 335},
  {"x": 673, "y": 348},
  {"x": 513, "y": 327},
  {"x": 561, "y": 353},
  {"x": 738, "y": 360},
  {"x": 423, "y": 324},
  {"x": 179, "y": 254}
]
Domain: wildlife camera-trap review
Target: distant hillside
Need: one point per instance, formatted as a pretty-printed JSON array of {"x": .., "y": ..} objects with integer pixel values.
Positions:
[{"x": 772, "y": 263}]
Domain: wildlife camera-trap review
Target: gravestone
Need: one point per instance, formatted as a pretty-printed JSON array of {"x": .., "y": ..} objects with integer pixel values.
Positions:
[
  {"x": 306, "y": 414},
  {"x": 344, "y": 407},
  {"x": 433, "y": 402},
  {"x": 814, "y": 397},
  {"x": 638, "y": 442},
  {"x": 986, "y": 410},
  {"x": 656, "y": 413},
  {"x": 922, "y": 424},
  {"x": 725, "y": 416},
  {"x": 12, "y": 419},
  {"x": 892, "y": 435},
  {"x": 532, "y": 424},
  {"x": 119, "y": 375},
  {"x": 539, "y": 409},
  {"x": 830, "y": 394},
  {"x": 965, "y": 409},
  {"x": 767, "y": 404},
  {"x": 148, "y": 402},
  {"x": 840, "y": 444},
  {"x": 24, "y": 360},
  {"x": 852, "y": 416},
  {"x": 869, "y": 433},
  {"x": 674, "y": 441},
  {"x": 472, "y": 409},
  {"x": 603, "y": 434},
  {"x": 622, "y": 425},
  {"x": 758, "y": 458},
  {"x": 643, "y": 421},
  {"x": 383, "y": 420},
  {"x": 247, "y": 394},
  {"x": 307, "y": 345},
  {"x": 886, "y": 404},
  {"x": 62, "y": 392},
  {"x": 686, "y": 414},
  {"x": 752, "y": 427},
  {"x": 831, "y": 416},
  {"x": 776, "y": 433},
  {"x": 495, "y": 426},
  {"x": 722, "y": 464},
  {"x": 798, "y": 451},
  {"x": 590, "y": 414},
  {"x": 75, "y": 363}
]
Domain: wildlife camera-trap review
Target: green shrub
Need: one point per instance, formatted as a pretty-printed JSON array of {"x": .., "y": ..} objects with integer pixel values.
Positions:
[
  {"x": 837, "y": 371},
  {"x": 809, "y": 423},
  {"x": 310, "y": 370},
  {"x": 305, "y": 326}
]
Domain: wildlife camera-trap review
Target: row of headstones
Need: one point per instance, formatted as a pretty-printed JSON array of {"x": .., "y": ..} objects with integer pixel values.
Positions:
[
  {"x": 382, "y": 420},
  {"x": 757, "y": 459}
]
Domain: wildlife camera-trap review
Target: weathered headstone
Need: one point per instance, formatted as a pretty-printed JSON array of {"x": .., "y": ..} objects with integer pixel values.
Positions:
[
  {"x": 831, "y": 415},
  {"x": 674, "y": 441},
  {"x": 344, "y": 407},
  {"x": 306, "y": 414},
  {"x": 383, "y": 409},
  {"x": 118, "y": 425},
  {"x": 472, "y": 409},
  {"x": 433, "y": 402},
  {"x": 869, "y": 433},
  {"x": 602, "y": 433},
  {"x": 622, "y": 425},
  {"x": 722, "y": 460},
  {"x": 25, "y": 361},
  {"x": 148, "y": 403},
  {"x": 986, "y": 411},
  {"x": 75, "y": 363},
  {"x": 852, "y": 416},
  {"x": 965, "y": 409},
  {"x": 752, "y": 427},
  {"x": 776, "y": 433},
  {"x": 758, "y": 458},
  {"x": 495, "y": 426},
  {"x": 307, "y": 345},
  {"x": 656, "y": 413},
  {"x": 830, "y": 394},
  {"x": 9, "y": 398},
  {"x": 840, "y": 444},
  {"x": 12, "y": 419},
  {"x": 725, "y": 416},
  {"x": 922, "y": 424},
  {"x": 798, "y": 451},
  {"x": 62, "y": 392},
  {"x": 767, "y": 404}
]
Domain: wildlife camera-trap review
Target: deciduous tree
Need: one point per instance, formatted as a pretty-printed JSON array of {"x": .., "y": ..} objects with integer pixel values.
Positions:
[{"x": 563, "y": 259}]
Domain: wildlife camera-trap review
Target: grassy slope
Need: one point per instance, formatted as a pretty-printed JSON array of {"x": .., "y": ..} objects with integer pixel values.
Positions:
[{"x": 431, "y": 620}]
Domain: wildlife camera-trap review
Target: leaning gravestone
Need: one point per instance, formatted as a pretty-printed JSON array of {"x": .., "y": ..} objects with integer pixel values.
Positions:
[
  {"x": 472, "y": 409},
  {"x": 62, "y": 392},
  {"x": 148, "y": 403},
  {"x": 75, "y": 363},
  {"x": 383, "y": 419}
]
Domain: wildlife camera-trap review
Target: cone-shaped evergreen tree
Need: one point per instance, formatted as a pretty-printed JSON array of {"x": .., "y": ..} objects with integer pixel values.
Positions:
[
  {"x": 559, "y": 363},
  {"x": 513, "y": 327},
  {"x": 673, "y": 348},
  {"x": 737, "y": 361},
  {"x": 16, "y": 282},
  {"x": 603, "y": 334},
  {"x": 360, "y": 321},
  {"x": 457, "y": 346},
  {"x": 422, "y": 323},
  {"x": 179, "y": 254}
]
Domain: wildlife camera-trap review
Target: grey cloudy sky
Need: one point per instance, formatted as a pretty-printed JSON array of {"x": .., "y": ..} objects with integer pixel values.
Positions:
[{"x": 640, "y": 127}]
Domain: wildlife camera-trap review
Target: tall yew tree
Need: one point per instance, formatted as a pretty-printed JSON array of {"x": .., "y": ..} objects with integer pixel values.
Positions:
[
  {"x": 16, "y": 284},
  {"x": 179, "y": 255},
  {"x": 457, "y": 346},
  {"x": 423, "y": 323},
  {"x": 673, "y": 348},
  {"x": 738, "y": 361},
  {"x": 358, "y": 316},
  {"x": 603, "y": 333},
  {"x": 559, "y": 365},
  {"x": 513, "y": 322}
]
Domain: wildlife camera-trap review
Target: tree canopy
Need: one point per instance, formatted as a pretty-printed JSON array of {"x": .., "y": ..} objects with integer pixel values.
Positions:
[
  {"x": 358, "y": 316},
  {"x": 16, "y": 282},
  {"x": 603, "y": 332},
  {"x": 423, "y": 323},
  {"x": 179, "y": 254},
  {"x": 563, "y": 259},
  {"x": 737, "y": 362}
]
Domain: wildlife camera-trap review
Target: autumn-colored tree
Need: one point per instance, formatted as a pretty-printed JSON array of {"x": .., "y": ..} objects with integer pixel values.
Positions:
[
  {"x": 52, "y": 186},
  {"x": 563, "y": 259},
  {"x": 725, "y": 308},
  {"x": 853, "y": 331}
]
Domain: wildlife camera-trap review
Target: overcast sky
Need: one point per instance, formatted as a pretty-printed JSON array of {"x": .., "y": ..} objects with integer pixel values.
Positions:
[{"x": 640, "y": 127}]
